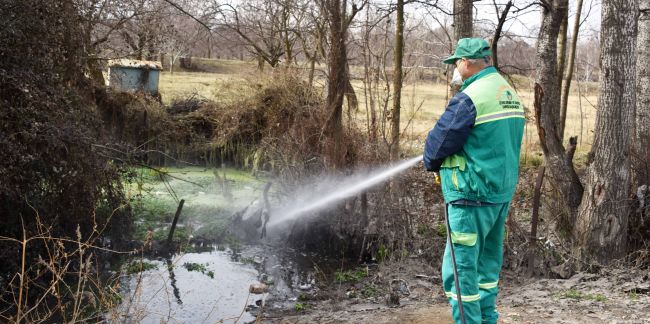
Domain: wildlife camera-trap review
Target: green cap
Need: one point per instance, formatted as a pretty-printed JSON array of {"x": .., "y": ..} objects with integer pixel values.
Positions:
[{"x": 472, "y": 48}]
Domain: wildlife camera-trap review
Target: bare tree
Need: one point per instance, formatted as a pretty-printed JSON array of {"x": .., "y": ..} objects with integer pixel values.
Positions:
[
  {"x": 501, "y": 19},
  {"x": 258, "y": 25},
  {"x": 566, "y": 86},
  {"x": 374, "y": 49},
  {"x": 547, "y": 111},
  {"x": 117, "y": 29},
  {"x": 397, "y": 80},
  {"x": 339, "y": 22},
  {"x": 602, "y": 224},
  {"x": 142, "y": 34},
  {"x": 313, "y": 38},
  {"x": 181, "y": 36}
]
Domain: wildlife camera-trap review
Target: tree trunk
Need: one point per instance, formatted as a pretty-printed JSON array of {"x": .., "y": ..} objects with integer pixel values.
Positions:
[
  {"x": 532, "y": 239},
  {"x": 312, "y": 69},
  {"x": 641, "y": 153},
  {"x": 336, "y": 83},
  {"x": 350, "y": 94},
  {"x": 566, "y": 86},
  {"x": 397, "y": 81},
  {"x": 288, "y": 45},
  {"x": 463, "y": 19},
  {"x": 601, "y": 228},
  {"x": 561, "y": 55},
  {"x": 371, "y": 111},
  {"x": 209, "y": 46},
  {"x": 547, "y": 111}
]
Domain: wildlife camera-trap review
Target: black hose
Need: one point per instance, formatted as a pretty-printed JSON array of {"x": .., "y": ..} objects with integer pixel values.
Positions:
[{"x": 453, "y": 263}]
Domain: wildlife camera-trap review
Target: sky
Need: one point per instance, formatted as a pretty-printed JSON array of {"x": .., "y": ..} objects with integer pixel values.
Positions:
[{"x": 527, "y": 22}]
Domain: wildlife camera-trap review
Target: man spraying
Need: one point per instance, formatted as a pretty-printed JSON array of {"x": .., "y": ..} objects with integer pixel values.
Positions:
[{"x": 475, "y": 148}]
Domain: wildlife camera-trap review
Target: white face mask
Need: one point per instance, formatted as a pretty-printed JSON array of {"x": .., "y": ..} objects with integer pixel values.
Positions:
[{"x": 456, "y": 79}]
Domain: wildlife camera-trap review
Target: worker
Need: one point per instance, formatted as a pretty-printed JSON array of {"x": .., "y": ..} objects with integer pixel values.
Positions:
[{"x": 475, "y": 148}]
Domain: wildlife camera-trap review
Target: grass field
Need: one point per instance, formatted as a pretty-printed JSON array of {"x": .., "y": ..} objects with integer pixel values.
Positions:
[{"x": 226, "y": 76}]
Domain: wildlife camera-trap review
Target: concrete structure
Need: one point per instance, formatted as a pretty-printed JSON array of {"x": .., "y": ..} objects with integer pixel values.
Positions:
[{"x": 134, "y": 75}]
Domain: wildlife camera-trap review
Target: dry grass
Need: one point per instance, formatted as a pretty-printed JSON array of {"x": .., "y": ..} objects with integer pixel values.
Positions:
[
  {"x": 422, "y": 103},
  {"x": 181, "y": 84}
]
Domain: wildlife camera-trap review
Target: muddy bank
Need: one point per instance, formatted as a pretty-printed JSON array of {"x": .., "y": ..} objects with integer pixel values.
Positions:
[{"x": 612, "y": 296}]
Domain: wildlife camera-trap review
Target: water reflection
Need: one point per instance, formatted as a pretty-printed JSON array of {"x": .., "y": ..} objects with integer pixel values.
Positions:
[
  {"x": 154, "y": 296},
  {"x": 218, "y": 288},
  {"x": 172, "y": 280}
]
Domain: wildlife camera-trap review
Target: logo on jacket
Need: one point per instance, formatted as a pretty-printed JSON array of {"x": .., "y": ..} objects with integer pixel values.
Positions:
[{"x": 508, "y": 101}]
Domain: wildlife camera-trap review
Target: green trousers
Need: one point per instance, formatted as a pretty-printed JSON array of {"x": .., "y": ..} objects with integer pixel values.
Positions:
[{"x": 477, "y": 234}]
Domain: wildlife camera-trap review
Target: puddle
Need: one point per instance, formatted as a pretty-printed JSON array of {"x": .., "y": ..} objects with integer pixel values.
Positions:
[
  {"x": 219, "y": 290},
  {"x": 173, "y": 294}
]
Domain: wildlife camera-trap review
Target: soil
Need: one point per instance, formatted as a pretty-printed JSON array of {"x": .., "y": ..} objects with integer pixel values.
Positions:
[{"x": 610, "y": 296}]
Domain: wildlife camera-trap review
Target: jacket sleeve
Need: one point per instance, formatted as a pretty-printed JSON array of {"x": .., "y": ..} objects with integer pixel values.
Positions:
[{"x": 450, "y": 132}]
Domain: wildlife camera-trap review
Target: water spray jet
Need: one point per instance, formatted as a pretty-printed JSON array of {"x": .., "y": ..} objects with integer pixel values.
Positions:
[{"x": 343, "y": 189}]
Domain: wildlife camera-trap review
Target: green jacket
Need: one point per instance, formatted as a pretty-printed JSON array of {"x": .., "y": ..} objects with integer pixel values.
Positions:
[{"x": 476, "y": 143}]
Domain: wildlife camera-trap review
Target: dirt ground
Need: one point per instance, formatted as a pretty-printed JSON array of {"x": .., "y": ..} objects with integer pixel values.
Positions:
[{"x": 611, "y": 296}]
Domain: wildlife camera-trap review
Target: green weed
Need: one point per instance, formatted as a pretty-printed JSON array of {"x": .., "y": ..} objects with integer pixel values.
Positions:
[
  {"x": 573, "y": 294},
  {"x": 423, "y": 230},
  {"x": 140, "y": 266},
  {"x": 633, "y": 295},
  {"x": 350, "y": 275},
  {"x": 578, "y": 295},
  {"x": 598, "y": 297},
  {"x": 382, "y": 253},
  {"x": 370, "y": 291},
  {"x": 441, "y": 230},
  {"x": 199, "y": 267},
  {"x": 299, "y": 307}
]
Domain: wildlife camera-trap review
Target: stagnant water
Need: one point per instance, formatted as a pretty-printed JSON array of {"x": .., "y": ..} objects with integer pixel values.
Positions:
[{"x": 171, "y": 293}]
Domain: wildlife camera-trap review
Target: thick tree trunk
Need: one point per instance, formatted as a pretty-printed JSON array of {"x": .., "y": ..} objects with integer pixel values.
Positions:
[
  {"x": 641, "y": 161},
  {"x": 397, "y": 81},
  {"x": 463, "y": 19},
  {"x": 566, "y": 86},
  {"x": 601, "y": 228},
  {"x": 547, "y": 111}
]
